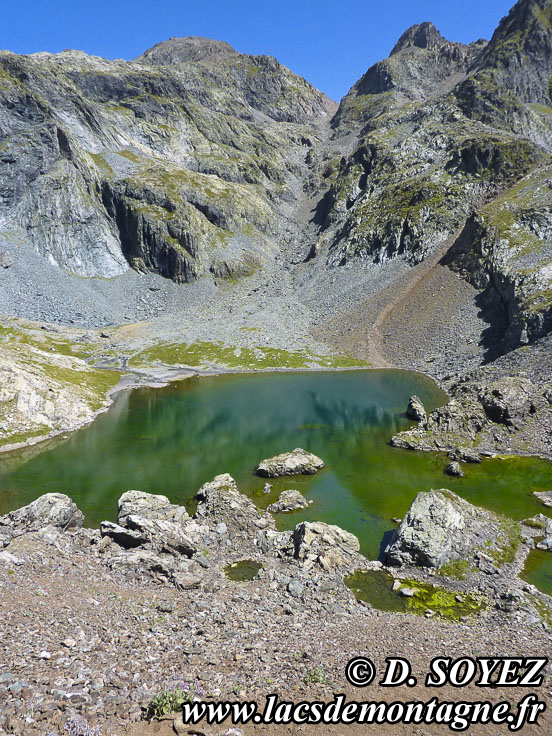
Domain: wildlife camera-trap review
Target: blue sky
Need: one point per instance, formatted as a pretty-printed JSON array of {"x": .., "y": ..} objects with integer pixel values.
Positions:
[{"x": 331, "y": 43}]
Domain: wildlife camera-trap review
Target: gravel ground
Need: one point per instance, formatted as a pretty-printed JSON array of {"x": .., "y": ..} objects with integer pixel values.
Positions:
[{"x": 80, "y": 640}]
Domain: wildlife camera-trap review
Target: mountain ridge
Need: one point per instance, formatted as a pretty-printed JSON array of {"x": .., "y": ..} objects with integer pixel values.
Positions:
[{"x": 236, "y": 181}]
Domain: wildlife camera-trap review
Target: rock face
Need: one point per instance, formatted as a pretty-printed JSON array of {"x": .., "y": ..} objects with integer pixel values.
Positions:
[
  {"x": 441, "y": 528},
  {"x": 43, "y": 388},
  {"x": 52, "y": 509},
  {"x": 171, "y": 163},
  {"x": 289, "y": 501},
  {"x": 325, "y": 544},
  {"x": 415, "y": 409},
  {"x": 297, "y": 462}
]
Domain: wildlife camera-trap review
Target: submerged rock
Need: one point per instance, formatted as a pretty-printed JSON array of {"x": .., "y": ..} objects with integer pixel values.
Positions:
[
  {"x": 298, "y": 462},
  {"x": 440, "y": 528},
  {"x": 415, "y": 409},
  {"x": 51, "y": 509},
  {"x": 545, "y": 497},
  {"x": 289, "y": 501},
  {"x": 454, "y": 469}
]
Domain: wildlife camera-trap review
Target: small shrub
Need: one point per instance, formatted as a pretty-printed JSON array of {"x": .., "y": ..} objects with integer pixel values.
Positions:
[
  {"x": 315, "y": 676},
  {"x": 171, "y": 698}
]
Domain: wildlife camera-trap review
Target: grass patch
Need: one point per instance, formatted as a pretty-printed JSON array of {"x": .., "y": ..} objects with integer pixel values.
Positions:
[
  {"x": 125, "y": 153},
  {"x": 541, "y": 108},
  {"x": 204, "y": 354},
  {"x": 507, "y": 547},
  {"x": 458, "y": 569},
  {"x": 101, "y": 163}
]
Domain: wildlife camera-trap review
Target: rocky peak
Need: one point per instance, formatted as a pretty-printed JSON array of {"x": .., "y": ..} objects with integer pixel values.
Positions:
[
  {"x": 520, "y": 51},
  {"x": 421, "y": 35},
  {"x": 191, "y": 48},
  {"x": 522, "y": 16}
]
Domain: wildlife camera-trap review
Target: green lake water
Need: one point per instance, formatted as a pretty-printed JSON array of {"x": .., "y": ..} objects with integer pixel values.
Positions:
[{"x": 173, "y": 440}]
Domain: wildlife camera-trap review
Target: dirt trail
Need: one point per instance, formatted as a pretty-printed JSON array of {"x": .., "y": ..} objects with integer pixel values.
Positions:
[
  {"x": 400, "y": 298},
  {"x": 362, "y": 330}
]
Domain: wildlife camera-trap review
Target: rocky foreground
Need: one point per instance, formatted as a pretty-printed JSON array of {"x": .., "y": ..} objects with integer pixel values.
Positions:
[{"x": 96, "y": 623}]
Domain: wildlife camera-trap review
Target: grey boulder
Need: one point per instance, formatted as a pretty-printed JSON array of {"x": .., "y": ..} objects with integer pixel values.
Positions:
[
  {"x": 440, "y": 527},
  {"x": 51, "y": 509},
  {"x": 297, "y": 462},
  {"x": 149, "y": 506},
  {"x": 289, "y": 501},
  {"x": 415, "y": 409}
]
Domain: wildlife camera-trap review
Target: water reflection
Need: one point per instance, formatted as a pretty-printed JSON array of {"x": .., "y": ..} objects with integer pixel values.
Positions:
[{"x": 173, "y": 440}]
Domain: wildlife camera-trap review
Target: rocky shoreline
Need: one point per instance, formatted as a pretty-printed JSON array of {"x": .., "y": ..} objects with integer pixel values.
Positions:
[{"x": 120, "y": 613}]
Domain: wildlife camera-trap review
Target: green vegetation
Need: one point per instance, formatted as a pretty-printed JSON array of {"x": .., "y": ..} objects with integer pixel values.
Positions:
[
  {"x": 316, "y": 676},
  {"x": 205, "y": 354},
  {"x": 101, "y": 163},
  {"x": 167, "y": 701},
  {"x": 458, "y": 569},
  {"x": 541, "y": 108},
  {"x": 376, "y": 588},
  {"x": 508, "y": 542},
  {"x": 125, "y": 153}
]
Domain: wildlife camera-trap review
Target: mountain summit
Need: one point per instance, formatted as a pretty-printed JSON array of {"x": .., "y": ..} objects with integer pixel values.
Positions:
[
  {"x": 191, "y": 48},
  {"x": 422, "y": 35}
]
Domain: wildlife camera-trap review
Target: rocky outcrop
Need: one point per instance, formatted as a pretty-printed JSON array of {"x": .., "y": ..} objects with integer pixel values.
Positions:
[
  {"x": 454, "y": 469},
  {"x": 51, "y": 509},
  {"x": 220, "y": 501},
  {"x": 297, "y": 462},
  {"x": 160, "y": 539},
  {"x": 499, "y": 408},
  {"x": 324, "y": 544},
  {"x": 441, "y": 528},
  {"x": 415, "y": 409},
  {"x": 149, "y": 506},
  {"x": 505, "y": 249},
  {"x": 545, "y": 497},
  {"x": 44, "y": 388},
  {"x": 289, "y": 501}
]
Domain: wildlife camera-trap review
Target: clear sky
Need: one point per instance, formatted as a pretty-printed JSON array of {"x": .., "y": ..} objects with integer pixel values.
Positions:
[{"x": 330, "y": 42}]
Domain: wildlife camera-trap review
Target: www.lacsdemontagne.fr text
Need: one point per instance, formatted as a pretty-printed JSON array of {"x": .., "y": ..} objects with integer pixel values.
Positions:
[{"x": 458, "y": 716}]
